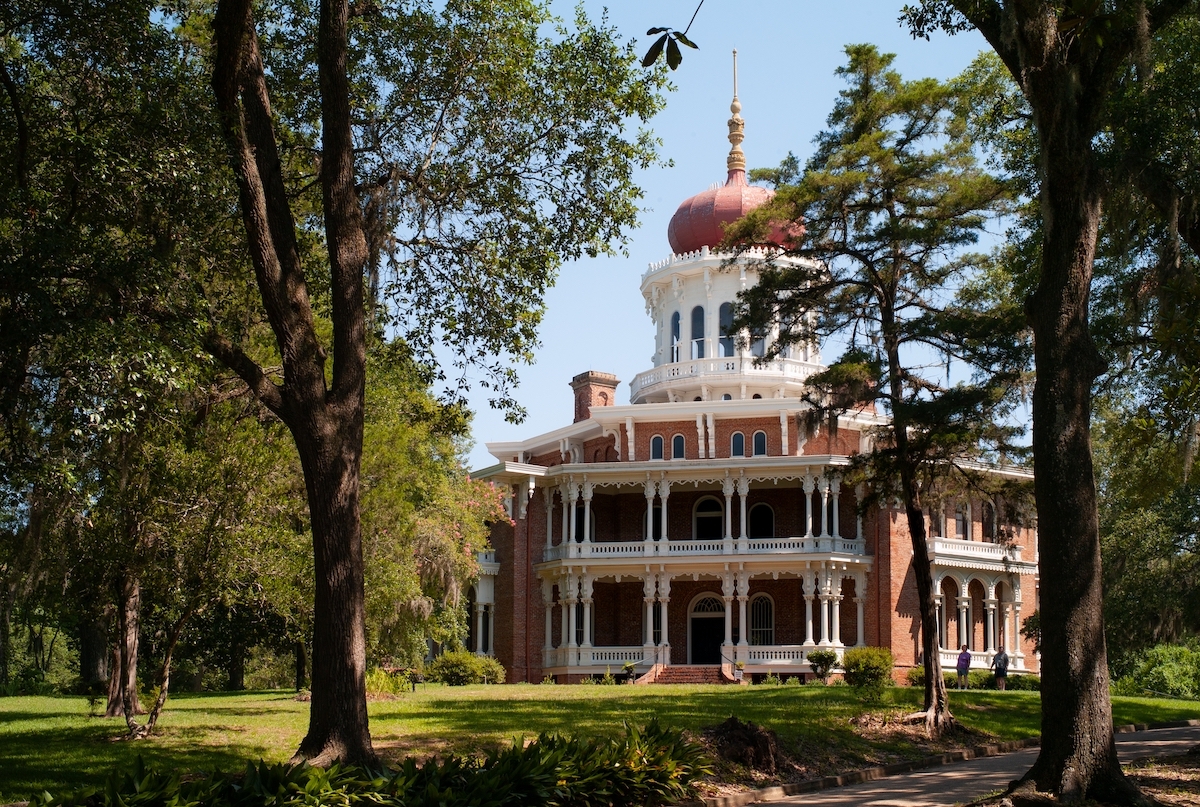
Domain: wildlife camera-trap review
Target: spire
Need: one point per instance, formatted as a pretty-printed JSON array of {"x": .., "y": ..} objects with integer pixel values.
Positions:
[{"x": 736, "y": 162}]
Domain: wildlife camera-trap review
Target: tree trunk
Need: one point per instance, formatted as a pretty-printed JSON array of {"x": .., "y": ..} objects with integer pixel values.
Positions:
[
  {"x": 164, "y": 675},
  {"x": 113, "y": 709},
  {"x": 301, "y": 665},
  {"x": 124, "y": 700},
  {"x": 5, "y": 635},
  {"x": 337, "y": 727},
  {"x": 1078, "y": 755},
  {"x": 93, "y": 657},
  {"x": 236, "y": 673}
]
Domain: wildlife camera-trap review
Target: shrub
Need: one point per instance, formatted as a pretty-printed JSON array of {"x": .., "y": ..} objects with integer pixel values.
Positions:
[
  {"x": 869, "y": 670},
  {"x": 1025, "y": 683},
  {"x": 382, "y": 683},
  {"x": 822, "y": 662},
  {"x": 1166, "y": 669},
  {"x": 650, "y": 766},
  {"x": 459, "y": 667},
  {"x": 772, "y": 680}
]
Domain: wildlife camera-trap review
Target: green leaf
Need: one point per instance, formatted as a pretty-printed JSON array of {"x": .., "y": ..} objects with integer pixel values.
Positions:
[
  {"x": 655, "y": 50},
  {"x": 654, "y": 31},
  {"x": 674, "y": 57},
  {"x": 683, "y": 40}
]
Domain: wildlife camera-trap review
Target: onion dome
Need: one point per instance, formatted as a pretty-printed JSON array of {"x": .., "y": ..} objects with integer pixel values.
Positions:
[{"x": 698, "y": 221}]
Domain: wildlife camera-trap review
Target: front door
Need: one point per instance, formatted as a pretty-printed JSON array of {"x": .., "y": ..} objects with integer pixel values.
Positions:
[{"x": 707, "y": 635}]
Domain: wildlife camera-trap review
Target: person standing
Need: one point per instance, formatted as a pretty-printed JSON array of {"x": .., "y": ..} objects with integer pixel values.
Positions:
[
  {"x": 964, "y": 666},
  {"x": 1000, "y": 665}
]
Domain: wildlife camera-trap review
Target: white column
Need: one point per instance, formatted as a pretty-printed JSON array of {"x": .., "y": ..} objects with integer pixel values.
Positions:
[
  {"x": 664, "y": 600},
  {"x": 809, "y": 586},
  {"x": 664, "y": 493},
  {"x": 728, "y": 489},
  {"x": 586, "y": 596},
  {"x": 712, "y": 437},
  {"x": 566, "y": 516},
  {"x": 1016, "y": 632},
  {"x": 572, "y": 601},
  {"x": 743, "y": 488},
  {"x": 835, "y": 486},
  {"x": 823, "y": 486},
  {"x": 941, "y": 620},
  {"x": 858, "y": 497},
  {"x": 573, "y": 493},
  {"x": 837, "y": 619},
  {"x": 548, "y": 493},
  {"x": 649, "y": 486},
  {"x": 648, "y": 600},
  {"x": 862, "y": 633},
  {"x": 479, "y": 629},
  {"x": 809, "y": 487},
  {"x": 587, "y": 511},
  {"x": 783, "y": 433},
  {"x": 727, "y": 592},
  {"x": 700, "y": 435},
  {"x": 964, "y": 627},
  {"x": 1008, "y": 634},
  {"x": 743, "y": 596},
  {"x": 548, "y": 600},
  {"x": 489, "y": 615},
  {"x": 989, "y": 627},
  {"x": 824, "y": 608}
]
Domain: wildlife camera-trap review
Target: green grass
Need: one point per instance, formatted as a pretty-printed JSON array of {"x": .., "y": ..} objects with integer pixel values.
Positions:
[{"x": 51, "y": 742}]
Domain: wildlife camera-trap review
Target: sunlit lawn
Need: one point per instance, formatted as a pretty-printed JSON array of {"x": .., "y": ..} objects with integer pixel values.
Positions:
[{"x": 52, "y": 743}]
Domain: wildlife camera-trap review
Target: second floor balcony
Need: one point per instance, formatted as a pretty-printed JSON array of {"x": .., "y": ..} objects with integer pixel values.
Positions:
[{"x": 823, "y": 545}]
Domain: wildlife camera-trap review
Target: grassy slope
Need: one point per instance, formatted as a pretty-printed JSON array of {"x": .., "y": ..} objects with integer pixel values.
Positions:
[{"x": 51, "y": 743}]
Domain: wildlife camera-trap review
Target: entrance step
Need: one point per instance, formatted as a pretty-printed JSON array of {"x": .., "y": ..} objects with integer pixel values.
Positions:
[{"x": 690, "y": 675}]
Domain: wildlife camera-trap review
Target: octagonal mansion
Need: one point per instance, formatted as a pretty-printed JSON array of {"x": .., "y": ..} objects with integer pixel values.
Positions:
[{"x": 700, "y": 526}]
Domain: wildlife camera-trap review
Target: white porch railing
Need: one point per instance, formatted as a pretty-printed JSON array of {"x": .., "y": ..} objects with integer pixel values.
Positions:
[
  {"x": 789, "y": 369},
  {"x": 599, "y": 657},
  {"x": 980, "y": 660},
  {"x": 973, "y": 550},
  {"x": 784, "y": 655},
  {"x": 751, "y": 546}
]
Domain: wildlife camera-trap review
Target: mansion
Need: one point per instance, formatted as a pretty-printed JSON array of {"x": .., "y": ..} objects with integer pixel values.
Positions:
[{"x": 702, "y": 525}]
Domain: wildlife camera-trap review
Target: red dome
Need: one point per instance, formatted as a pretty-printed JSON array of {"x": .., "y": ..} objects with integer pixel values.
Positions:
[{"x": 697, "y": 222}]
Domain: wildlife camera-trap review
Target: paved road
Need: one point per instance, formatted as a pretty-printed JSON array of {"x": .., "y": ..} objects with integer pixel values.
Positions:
[{"x": 965, "y": 781}]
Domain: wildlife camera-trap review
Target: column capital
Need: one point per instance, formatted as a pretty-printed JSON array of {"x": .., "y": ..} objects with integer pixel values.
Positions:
[
  {"x": 649, "y": 486},
  {"x": 810, "y": 484},
  {"x": 743, "y": 486},
  {"x": 664, "y": 488},
  {"x": 588, "y": 488},
  {"x": 728, "y": 487}
]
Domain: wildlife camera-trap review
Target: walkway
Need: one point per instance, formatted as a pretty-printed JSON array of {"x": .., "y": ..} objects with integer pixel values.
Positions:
[{"x": 966, "y": 781}]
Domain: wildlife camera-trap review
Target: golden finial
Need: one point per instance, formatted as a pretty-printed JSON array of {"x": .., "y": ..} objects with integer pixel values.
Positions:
[{"x": 737, "y": 128}]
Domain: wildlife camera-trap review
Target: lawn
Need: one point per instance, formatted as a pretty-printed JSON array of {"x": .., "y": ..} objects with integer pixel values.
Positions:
[{"x": 52, "y": 743}]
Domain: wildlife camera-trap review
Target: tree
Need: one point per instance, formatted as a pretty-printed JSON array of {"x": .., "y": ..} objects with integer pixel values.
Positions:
[
  {"x": 488, "y": 155},
  {"x": 887, "y": 204},
  {"x": 1067, "y": 58}
]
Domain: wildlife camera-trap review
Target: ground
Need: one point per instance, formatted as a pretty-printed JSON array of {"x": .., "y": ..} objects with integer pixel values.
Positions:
[{"x": 50, "y": 743}]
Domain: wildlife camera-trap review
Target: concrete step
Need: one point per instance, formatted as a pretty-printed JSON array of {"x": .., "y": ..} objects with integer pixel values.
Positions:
[{"x": 690, "y": 675}]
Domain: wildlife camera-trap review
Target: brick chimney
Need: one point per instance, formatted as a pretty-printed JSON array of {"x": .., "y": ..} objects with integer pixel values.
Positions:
[{"x": 593, "y": 389}]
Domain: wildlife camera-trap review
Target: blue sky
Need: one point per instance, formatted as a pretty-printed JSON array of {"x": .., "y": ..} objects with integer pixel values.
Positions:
[{"x": 787, "y": 52}]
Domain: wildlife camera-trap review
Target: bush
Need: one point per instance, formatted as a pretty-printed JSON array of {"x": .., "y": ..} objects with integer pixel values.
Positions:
[
  {"x": 1166, "y": 669},
  {"x": 651, "y": 766},
  {"x": 822, "y": 662},
  {"x": 382, "y": 683},
  {"x": 1025, "y": 683},
  {"x": 459, "y": 667},
  {"x": 868, "y": 670},
  {"x": 772, "y": 680}
]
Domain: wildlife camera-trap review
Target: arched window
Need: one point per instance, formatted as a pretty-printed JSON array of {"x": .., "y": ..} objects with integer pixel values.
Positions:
[
  {"x": 936, "y": 516},
  {"x": 726, "y": 397},
  {"x": 675, "y": 337},
  {"x": 758, "y": 346},
  {"x": 989, "y": 522},
  {"x": 760, "y": 444},
  {"x": 708, "y": 519},
  {"x": 962, "y": 522},
  {"x": 818, "y": 501},
  {"x": 725, "y": 347},
  {"x": 678, "y": 447},
  {"x": 737, "y": 445},
  {"x": 755, "y": 396},
  {"x": 655, "y": 521},
  {"x": 698, "y": 332},
  {"x": 762, "y": 620},
  {"x": 709, "y": 605},
  {"x": 656, "y": 447},
  {"x": 762, "y": 521}
]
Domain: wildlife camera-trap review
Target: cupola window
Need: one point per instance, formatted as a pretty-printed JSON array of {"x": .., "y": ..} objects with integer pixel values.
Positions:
[
  {"x": 725, "y": 347},
  {"x": 675, "y": 337},
  {"x": 698, "y": 332}
]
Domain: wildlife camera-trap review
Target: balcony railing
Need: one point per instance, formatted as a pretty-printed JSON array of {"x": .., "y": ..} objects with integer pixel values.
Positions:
[
  {"x": 980, "y": 659},
  {"x": 949, "y": 548},
  {"x": 790, "y": 369},
  {"x": 720, "y": 546},
  {"x": 774, "y": 657}
]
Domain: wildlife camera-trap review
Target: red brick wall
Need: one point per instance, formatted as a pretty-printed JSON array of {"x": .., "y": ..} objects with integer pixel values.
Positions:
[{"x": 724, "y": 429}]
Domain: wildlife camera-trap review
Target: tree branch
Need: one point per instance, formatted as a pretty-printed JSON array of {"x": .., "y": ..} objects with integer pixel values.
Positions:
[{"x": 248, "y": 370}]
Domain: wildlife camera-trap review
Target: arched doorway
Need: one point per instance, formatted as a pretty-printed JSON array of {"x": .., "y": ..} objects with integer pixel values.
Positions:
[{"x": 706, "y": 630}]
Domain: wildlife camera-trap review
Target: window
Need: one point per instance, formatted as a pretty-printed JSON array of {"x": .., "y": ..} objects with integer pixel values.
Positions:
[
  {"x": 962, "y": 523},
  {"x": 709, "y": 605},
  {"x": 762, "y": 620},
  {"x": 818, "y": 501},
  {"x": 758, "y": 347},
  {"x": 935, "y": 523},
  {"x": 755, "y": 396},
  {"x": 708, "y": 520},
  {"x": 762, "y": 521},
  {"x": 737, "y": 445},
  {"x": 656, "y": 528},
  {"x": 678, "y": 448},
  {"x": 656, "y": 447},
  {"x": 989, "y": 522},
  {"x": 727, "y": 397},
  {"x": 698, "y": 332},
  {"x": 725, "y": 347},
  {"x": 675, "y": 337},
  {"x": 578, "y": 623},
  {"x": 657, "y": 611},
  {"x": 760, "y": 444}
]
